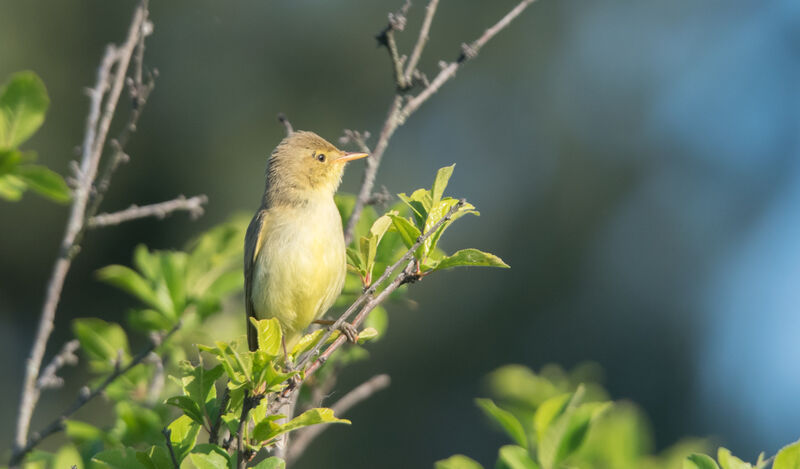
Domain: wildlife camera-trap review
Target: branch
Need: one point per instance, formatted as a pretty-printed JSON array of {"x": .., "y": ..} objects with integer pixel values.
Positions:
[
  {"x": 249, "y": 403},
  {"x": 85, "y": 395},
  {"x": 168, "y": 437},
  {"x": 49, "y": 379},
  {"x": 94, "y": 140},
  {"x": 424, "y": 31},
  {"x": 361, "y": 393},
  {"x": 193, "y": 205},
  {"x": 399, "y": 113},
  {"x": 213, "y": 435},
  {"x": 369, "y": 303}
]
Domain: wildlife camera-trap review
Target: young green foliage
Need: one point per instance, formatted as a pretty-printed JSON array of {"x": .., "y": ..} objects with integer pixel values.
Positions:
[
  {"x": 428, "y": 207},
  {"x": 23, "y": 105}
]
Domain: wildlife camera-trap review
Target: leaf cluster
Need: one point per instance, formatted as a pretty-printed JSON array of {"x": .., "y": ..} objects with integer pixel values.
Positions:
[{"x": 23, "y": 105}]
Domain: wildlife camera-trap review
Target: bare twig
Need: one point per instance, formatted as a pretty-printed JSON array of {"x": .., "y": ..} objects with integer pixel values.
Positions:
[
  {"x": 359, "y": 394},
  {"x": 49, "y": 379},
  {"x": 424, "y": 32},
  {"x": 85, "y": 395},
  {"x": 399, "y": 112},
  {"x": 97, "y": 126},
  {"x": 193, "y": 205},
  {"x": 286, "y": 124},
  {"x": 168, "y": 438}
]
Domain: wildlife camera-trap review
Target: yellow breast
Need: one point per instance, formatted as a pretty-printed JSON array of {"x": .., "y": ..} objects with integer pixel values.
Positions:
[{"x": 300, "y": 268}]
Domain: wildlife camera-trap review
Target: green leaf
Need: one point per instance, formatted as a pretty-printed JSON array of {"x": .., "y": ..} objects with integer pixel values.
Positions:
[
  {"x": 188, "y": 406},
  {"x": 514, "y": 457},
  {"x": 729, "y": 461},
  {"x": 11, "y": 187},
  {"x": 9, "y": 159},
  {"x": 420, "y": 202},
  {"x": 44, "y": 181},
  {"x": 23, "y": 104},
  {"x": 149, "y": 320},
  {"x": 212, "y": 460},
  {"x": 699, "y": 461},
  {"x": 67, "y": 456},
  {"x": 102, "y": 341},
  {"x": 458, "y": 461},
  {"x": 507, "y": 421},
  {"x": 439, "y": 184},
  {"x": 408, "y": 232},
  {"x": 118, "y": 459},
  {"x": 128, "y": 280},
  {"x": 269, "y": 335},
  {"x": 547, "y": 412},
  {"x": 471, "y": 257},
  {"x": 183, "y": 436},
  {"x": 267, "y": 430},
  {"x": 568, "y": 431},
  {"x": 271, "y": 463},
  {"x": 788, "y": 457},
  {"x": 173, "y": 267}
]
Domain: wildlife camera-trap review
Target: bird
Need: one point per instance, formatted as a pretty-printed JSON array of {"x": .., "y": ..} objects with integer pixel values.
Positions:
[{"x": 294, "y": 254}]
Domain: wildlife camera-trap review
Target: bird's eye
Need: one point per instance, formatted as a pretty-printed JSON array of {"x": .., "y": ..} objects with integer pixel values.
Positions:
[{"x": 320, "y": 157}]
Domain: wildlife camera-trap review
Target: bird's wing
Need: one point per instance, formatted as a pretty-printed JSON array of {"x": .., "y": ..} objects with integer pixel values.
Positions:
[{"x": 252, "y": 245}]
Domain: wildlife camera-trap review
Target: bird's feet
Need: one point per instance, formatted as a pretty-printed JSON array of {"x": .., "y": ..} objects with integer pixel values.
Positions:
[{"x": 346, "y": 328}]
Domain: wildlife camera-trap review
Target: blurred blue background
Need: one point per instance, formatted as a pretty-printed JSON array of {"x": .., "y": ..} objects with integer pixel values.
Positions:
[{"x": 635, "y": 162}]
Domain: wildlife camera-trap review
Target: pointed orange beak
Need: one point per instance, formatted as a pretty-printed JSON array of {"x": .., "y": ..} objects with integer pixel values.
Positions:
[{"x": 350, "y": 157}]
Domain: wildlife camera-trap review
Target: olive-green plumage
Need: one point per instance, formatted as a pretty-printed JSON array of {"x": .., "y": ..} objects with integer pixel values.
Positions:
[{"x": 294, "y": 256}]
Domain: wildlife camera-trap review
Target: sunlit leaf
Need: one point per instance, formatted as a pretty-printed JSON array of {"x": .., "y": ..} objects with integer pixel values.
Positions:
[
  {"x": 23, "y": 104},
  {"x": 440, "y": 183},
  {"x": 505, "y": 419},
  {"x": 788, "y": 457},
  {"x": 699, "y": 461},
  {"x": 471, "y": 258},
  {"x": 101, "y": 340},
  {"x": 44, "y": 181},
  {"x": 458, "y": 461},
  {"x": 514, "y": 457}
]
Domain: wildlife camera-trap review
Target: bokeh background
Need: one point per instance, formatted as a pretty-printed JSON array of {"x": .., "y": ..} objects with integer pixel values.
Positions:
[{"x": 635, "y": 162}]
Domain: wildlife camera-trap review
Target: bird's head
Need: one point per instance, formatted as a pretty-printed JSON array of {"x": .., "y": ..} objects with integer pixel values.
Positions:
[{"x": 305, "y": 164}]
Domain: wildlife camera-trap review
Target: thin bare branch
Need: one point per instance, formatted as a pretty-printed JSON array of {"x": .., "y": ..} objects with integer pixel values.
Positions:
[
  {"x": 399, "y": 113},
  {"x": 359, "y": 394},
  {"x": 424, "y": 33},
  {"x": 49, "y": 379},
  {"x": 94, "y": 140},
  {"x": 85, "y": 395},
  {"x": 193, "y": 205}
]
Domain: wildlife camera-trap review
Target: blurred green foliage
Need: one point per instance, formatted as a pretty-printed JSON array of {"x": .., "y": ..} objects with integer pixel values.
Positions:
[
  {"x": 559, "y": 419},
  {"x": 23, "y": 105}
]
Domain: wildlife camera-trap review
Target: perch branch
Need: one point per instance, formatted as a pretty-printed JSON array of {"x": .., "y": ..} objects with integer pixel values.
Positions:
[
  {"x": 398, "y": 112},
  {"x": 369, "y": 302},
  {"x": 193, "y": 205},
  {"x": 86, "y": 395},
  {"x": 361, "y": 393},
  {"x": 97, "y": 125}
]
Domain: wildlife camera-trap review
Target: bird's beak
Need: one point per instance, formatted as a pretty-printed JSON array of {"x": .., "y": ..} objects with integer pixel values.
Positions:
[{"x": 350, "y": 157}]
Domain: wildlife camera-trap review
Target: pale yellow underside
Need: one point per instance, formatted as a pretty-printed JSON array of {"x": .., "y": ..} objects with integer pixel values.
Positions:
[{"x": 300, "y": 265}]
